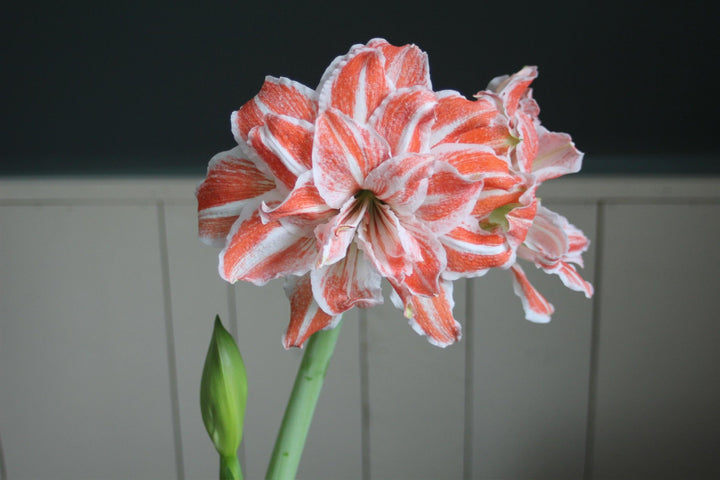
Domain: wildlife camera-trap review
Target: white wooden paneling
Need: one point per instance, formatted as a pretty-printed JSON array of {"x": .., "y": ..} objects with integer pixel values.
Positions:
[
  {"x": 333, "y": 445},
  {"x": 658, "y": 377},
  {"x": 83, "y": 351},
  {"x": 531, "y": 380},
  {"x": 197, "y": 295},
  {"x": 416, "y": 393}
]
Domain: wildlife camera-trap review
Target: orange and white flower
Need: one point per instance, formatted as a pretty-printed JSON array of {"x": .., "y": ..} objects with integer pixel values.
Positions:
[{"x": 374, "y": 175}]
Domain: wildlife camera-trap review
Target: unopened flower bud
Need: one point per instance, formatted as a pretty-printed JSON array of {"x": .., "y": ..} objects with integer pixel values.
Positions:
[{"x": 223, "y": 392}]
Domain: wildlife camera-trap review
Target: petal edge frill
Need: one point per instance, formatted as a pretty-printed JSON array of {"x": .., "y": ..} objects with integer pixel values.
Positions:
[
  {"x": 258, "y": 252},
  {"x": 306, "y": 317}
]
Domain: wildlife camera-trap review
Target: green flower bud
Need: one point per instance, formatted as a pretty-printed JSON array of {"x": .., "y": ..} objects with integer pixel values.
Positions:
[{"x": 223, "y": 392}]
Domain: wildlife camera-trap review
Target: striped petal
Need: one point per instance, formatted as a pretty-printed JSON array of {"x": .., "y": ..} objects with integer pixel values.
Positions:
[
  {"x": 304, "y": 204},
  {"x": 430, "y": 316},
  {"x": 285, "y": 146},
  {"x": 537, "y": 309},
  {"x": 512, "y": 89},
  {"x": 386, "y": 242},
  {"x": 277, "y": 95},
  {"x": 455, "y": 115},
  {"x": 404, "y": 119},
  {"x": 344, "y": 152},
  {"x": 472, "y": 251},
  {"x": 257, "y": 252},
  {"x": 450, "y": 198},
  {"x": 306, "y": 317},
  {"x": 424, "y": 276},
  {"x": 232, "y": 181},
  {"x": 556, "y": 156},
  {"x": 350, "y": 282},
  {"x": 334, "y": 237},
  {"x": 405, "y": 66},
  {"x": 475, "y": 162},
  {"x": 356, "y": 84}
]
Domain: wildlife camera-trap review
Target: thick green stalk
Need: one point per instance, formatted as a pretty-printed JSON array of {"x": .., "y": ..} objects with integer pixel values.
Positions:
[
  {"x": 230, "y": 468},
  {"x": 298, "y": 414}
]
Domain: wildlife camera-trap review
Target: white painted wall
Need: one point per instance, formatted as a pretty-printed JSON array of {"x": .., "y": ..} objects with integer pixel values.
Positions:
[{"x": 106, "y": 307}]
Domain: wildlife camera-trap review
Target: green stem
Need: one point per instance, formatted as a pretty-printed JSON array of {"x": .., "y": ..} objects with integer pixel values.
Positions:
[
  {"x": 298, "y": 414},
  {"x": 230, "y": 468}
]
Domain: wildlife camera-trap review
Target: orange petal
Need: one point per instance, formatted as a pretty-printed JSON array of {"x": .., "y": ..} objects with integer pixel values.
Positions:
[
  {"x": 231, "y": 181},
  {"x": 405, "y": 66},
  {"x": 356, "y": 85},
  {"x": 285, "y": 145},
  {"x": 350, "y": 282},
  {"x": 304, "y": 204},
  {"x": 306, "y": 317},
  {"x": 277, "y": 95},
  {"x": 537, "y": 309},
  {"x": 513, "y": 88},
  {"x": 257, "y": 252},
  {"x": 404, "y": 119},
  {"x": 455, "y": 115},
  {"x": 344, "y": 152},
  {"x": 471, "y": 251},
  {"x": 430, "y": 316}
]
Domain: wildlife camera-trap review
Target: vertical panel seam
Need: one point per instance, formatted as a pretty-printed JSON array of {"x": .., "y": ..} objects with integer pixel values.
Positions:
[
  {"x": 364, "y": 395},
  {"x": 170, "y": 339},
  {"x": 3, "y": 471},
  {"x": 469, "y": 385},
  {"x": 594, "y": 342}
]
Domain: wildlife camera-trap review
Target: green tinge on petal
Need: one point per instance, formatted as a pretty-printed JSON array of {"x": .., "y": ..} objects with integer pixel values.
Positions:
[{"x": 223, "y": 392}]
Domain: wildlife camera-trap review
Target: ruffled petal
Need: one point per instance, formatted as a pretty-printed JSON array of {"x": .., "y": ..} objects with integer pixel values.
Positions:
[
  {"x": 556, "y": 156},
  {"x": 304, "y": 204},
  {"x": 257, "y": 252},
  {"x": 345, "y": 284},
  {"x": 356, "y": 84},
  {"x": 344, "y": 152},
  {"x": 285, "y": 146},
  {"x": 277, "y": 95},
  {"x": 537, "y": 309},
  {"x": 472, "y": 251},
  {"x": 430, "y": 316},
  {"x": 450, "y": 198},
  {"x": 405, "y": 66},
  {"x": 455, "y": 115},
  {"x": 511, "y": 89},
  {"x": 231, "y": 182},
  {"x": 401, "y": 181},
  {"x": 404, "y": 119},
  {"x": 306, "y": 317}
]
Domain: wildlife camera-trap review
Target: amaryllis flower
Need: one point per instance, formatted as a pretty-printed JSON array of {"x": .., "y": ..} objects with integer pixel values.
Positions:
[
  {"x": 373, "y": 176},
  {"x": 538, "y": 155}
]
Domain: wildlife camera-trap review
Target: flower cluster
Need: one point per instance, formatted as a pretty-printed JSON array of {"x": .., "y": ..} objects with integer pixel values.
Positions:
[{"x": 374, "y": 175}]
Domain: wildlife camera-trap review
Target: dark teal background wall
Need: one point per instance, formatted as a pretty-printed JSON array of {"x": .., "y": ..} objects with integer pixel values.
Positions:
[{"x": 147, "y": 87}]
